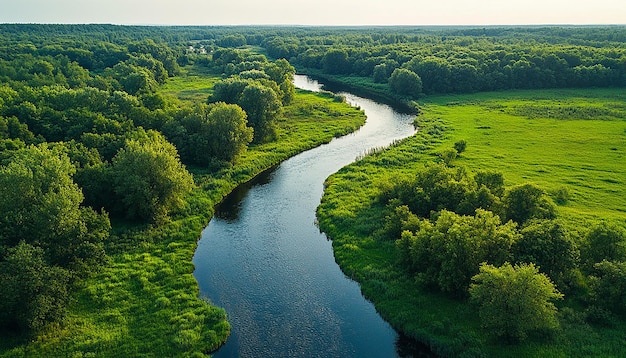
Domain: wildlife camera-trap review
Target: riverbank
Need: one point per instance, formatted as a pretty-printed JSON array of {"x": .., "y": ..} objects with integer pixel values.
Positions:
[
  {"x": 145, "y": 301},
  {"x": 365, "y": 87},
  {"x": 264, "y": 260},
  {"x": 563, "y": 140}
]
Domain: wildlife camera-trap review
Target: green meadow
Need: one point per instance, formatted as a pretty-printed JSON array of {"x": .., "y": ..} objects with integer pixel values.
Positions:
[
  {"x": 569, "y": 142},
  {"x": 192, "y": 85},
  {"x": 560, "y": 139}
]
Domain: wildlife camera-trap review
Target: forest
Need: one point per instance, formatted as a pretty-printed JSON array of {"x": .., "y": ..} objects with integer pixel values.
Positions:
[{"x": 117, "y": 141}]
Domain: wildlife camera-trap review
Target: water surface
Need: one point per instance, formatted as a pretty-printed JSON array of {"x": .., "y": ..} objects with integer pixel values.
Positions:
[{"x": 263, "y": 259}]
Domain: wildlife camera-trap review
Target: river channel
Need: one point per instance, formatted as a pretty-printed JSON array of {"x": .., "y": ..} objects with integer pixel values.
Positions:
[{"x": 263, "y": 259}]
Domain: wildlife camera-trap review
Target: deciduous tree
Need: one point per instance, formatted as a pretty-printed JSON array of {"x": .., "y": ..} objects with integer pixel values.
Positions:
[
  {"x": 149, "y": 178},
  {"x": 514, "y": 301},
  {"x": 405, "y": 82}
]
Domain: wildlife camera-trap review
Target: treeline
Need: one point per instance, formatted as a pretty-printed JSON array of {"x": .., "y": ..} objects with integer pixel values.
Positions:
[
  {"x": 85, "y": 136},
  {"x": 461, "y": 64},
  {"x": 467, "y": 235},
  {"x": 445, "y": 59}
]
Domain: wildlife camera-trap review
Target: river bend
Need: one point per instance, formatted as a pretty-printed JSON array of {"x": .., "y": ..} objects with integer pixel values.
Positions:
[{"x": 264, "y": 261}]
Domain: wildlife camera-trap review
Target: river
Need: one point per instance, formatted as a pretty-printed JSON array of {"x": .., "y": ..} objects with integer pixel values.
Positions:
[{"x": 263, "y": 259}]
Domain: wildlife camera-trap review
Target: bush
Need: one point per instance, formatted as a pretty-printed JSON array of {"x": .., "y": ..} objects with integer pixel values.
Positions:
[
  {"x": 514, "y": 300},
  {"x": 460, "y": 146}
]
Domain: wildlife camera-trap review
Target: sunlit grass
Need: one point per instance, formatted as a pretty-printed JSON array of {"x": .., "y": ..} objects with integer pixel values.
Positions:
[
  {"x": 194, "y": 84},
  {"x": 576, "y": 140}
]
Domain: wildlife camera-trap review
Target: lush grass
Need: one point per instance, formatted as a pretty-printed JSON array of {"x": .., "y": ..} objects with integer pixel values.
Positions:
[
  {"x": 572, "y": 139},
  {"x": 193, "y": 84},
  {"x": 145, "y": 301}
]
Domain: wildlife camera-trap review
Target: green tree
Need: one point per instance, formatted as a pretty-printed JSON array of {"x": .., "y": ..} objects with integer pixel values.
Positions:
[
  {"x": 263, "y": 107},
  {"x": 605, "y": 241},
  {"x": 547, "y": 244},
  {"x": 434, "y": 188},
  {"x": 229, "y": 90},
  {"x": 211, "y": 132},
  {"x": 380, "y": 74},
  {"x": 460, "y": 146},
  {"x": 228, "y": 130},
  {"x": 527, "y": 201},
  {"x": 608, "y": 286},
  {"x": 336, "y": 62},
  {"x": 405, "y": 82},
  {"x": 434, "y": 71},
  {"x": 149, "y": 178},
  {"x": 32, "y": 293},
  {"x": 448, "y": 253},
  {"x": 514, "y": 301},
  {"x": 494, "y": 181},
  {"x": 134, "y": 79},
  {"x": 40, "y": 203}
]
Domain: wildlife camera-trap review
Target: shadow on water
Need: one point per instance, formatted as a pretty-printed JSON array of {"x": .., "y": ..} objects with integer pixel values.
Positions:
[
  {"x": 230, "y": 206},
  {"x": 407, "y": 347}
]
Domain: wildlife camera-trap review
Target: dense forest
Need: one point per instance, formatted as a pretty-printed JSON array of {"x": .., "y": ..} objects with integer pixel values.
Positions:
[{"x": 96, "y": 158}]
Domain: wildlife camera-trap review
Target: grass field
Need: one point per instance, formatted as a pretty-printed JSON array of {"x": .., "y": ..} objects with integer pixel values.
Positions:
[
  {"x": 194, "y": 84},
  {"x": 562, "y": 140},
  {"x": 572, "y": 139}
]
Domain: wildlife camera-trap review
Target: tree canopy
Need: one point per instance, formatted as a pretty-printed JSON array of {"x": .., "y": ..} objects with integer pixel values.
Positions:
[
  {"x": 149, "y": 177},
  {"x": 514, "y": 301}
]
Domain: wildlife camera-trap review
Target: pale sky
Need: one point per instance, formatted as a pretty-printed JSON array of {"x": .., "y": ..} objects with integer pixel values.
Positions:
[{"x": 315, "y": 12}]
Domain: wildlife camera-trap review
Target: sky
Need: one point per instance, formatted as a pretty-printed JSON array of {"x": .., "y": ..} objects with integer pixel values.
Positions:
[{"x": 317, "y": 12}]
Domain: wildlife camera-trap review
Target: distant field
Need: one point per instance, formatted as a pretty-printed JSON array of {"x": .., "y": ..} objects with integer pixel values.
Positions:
[
  {"x": 572, "y": 139},
  {"x": 194, "y": 84}
]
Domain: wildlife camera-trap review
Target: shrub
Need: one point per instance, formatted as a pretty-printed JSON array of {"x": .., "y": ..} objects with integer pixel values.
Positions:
[{"x": 514, "y": 300}]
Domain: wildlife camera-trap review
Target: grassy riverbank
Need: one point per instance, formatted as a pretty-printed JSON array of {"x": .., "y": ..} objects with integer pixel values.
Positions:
[
  {"x": 366, "y": 87},
  {"x": 145, "y": 301},
  {"x": 566, "y": 141}
]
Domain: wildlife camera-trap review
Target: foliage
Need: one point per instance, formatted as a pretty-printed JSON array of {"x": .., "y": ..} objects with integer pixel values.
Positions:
[
  {"x": 447, "y": 253},
  {"x": 336, "y": 61},
  {"x": 525, "y": 202},
  {"x": 514, "y": 300},
  {"x": 47, "y": 240},
  {"x": 439, "y": 187},
  {"x": 42, "y": 205},
  {"x": 405, "y": 82},
  {"x": 261, "y": 88},
  {"x": 605, "y": 241},
  {"x": 547, "y": 244},
  {"x": 149, "y": 178},
  {"x": 32, "y": 293},
  {"x": 609, "y": 285},
  {"x": 263, "y": 107},
  {"x": 460, "y": 146},
  {"x": 206, "y": 134}
]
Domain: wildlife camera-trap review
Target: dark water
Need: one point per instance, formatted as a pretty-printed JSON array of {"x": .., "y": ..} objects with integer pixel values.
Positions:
[{"x": 263, "y": 259}]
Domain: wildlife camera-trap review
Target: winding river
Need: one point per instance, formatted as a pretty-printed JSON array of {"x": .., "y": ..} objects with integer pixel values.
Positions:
[{"x": 264, "y": 260}]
